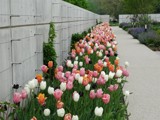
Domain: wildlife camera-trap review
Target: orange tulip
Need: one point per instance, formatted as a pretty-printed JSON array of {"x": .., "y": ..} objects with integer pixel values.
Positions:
[
  {"x": 111, "y": 68},
  {"x": 59, "y": 104},
  {"x": 98, "y": 68},
  {"x": 41, "y": 98},
  {"x": 39, "y": 77},
  {"x": 50, "y": 64},
  {"x": 33, "y": 118},
  {"x": 85, "y": 80},
  {"x": 116, "y": 62},
  {"x": 68, "y": 116}
]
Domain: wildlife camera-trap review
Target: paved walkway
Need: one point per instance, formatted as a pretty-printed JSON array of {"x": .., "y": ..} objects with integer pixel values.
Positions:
[{"x": 144, "y": 80}]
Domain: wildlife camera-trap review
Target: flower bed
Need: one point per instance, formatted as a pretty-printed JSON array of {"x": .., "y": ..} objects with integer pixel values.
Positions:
[{"x": 88, "y": 87}]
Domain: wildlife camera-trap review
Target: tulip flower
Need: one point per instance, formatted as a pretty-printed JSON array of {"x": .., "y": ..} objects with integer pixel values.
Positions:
[
  {"x": 47, "y": 112},
  {"x": 60, "y": 112},
  {"x": 76, "y": 96},
  {"x": 17, "y": 97},
  {"x": 58, "y": 94},
  {"x": 98, "y": 111},
  {"x": 50, "y": 64}
]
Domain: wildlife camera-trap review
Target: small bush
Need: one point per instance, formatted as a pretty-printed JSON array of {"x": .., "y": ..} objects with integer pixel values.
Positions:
[
  {"x": 125, "y": 25},
  {"x": 136, "y": 31},
  {"x": 150, "y": 38},
  {"x": 75, "y": 38}
]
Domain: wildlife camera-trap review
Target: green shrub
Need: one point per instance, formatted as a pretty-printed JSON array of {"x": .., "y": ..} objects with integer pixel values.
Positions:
[
  {"x": 49, "y": 53},
  {"x": 75, "y": 38}
]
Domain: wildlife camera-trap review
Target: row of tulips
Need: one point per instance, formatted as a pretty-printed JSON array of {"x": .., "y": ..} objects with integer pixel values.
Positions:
[{"x": 88, "y": 87}]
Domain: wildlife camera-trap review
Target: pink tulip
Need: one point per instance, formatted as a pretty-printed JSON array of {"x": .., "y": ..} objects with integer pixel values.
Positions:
[
  {"x": 99, "y": 93},
  {"x": 44, "y": 68},
  {"x": 92, "y": 94},
  {"x": 69, "y": 85},
  {"x": 106, "y": 52},
  {"x": 95, "y": 49},
  {"x": 111, "y": 88},
  {"x": 115, "y": 87},
  {"x": 111, "y": 53},
  {"x": 100, "y": 62},
  {"x": 73, "y": 55},
  {"x": 17, "y": 97},
  {"x": 125, "y": 72},
  {"x": 106, "y": 98},
  {"x": 23, "y": 94},
  {"x": 95, "y": 73},
  {"x": 101, "y": 81},
  {"x": 90, "y": 73},
  {"x": 67, "y": 74},
  {"x": 75, "y": 66},
  {"x": 58, "y": 94},
  {"x": 60, "y": 68},
  {"x": 82, "y": 71},
  {"x": 71, "y": 78},
  {"x": 87, "y": 60}
]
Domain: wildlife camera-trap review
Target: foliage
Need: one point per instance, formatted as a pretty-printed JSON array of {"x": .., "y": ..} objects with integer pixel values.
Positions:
[
  {"x": 80, "y": 3},
  {"x": 136, "y": 31},
  {"x": 49, "y": 53},
  {"x": 7, "y": 110},
  {"x": 138, "y": 6},
  {"x": 75, "y": 38},
  {"x": 149, "y": 38},
  {"x": 125, "y": 26}
]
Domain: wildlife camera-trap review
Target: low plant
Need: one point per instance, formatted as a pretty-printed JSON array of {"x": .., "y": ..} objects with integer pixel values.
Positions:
[{"x": 136, "y": 31}]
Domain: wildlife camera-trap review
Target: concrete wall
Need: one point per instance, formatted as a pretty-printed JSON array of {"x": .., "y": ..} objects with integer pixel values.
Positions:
[
  {"x": 24, "y": 26},
  {"x": 127, "y": 17}
]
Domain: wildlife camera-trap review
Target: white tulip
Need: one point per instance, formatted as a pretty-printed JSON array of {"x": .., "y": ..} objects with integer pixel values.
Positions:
[
  {"x": 103, "y": 73},
  {"x": 105, "y": 64},
  {"x": 94, "y": 80},
  {"x": 50, "y": 90},
  {"x": 76, "y": 96},
  {"x": 27, "y": 89},
  {"x": 31, "y": 84},
  {"x": 126, "y": 93},
  {"x": 80, "y": 80},
  {"x": 75, "y": 117},
  {"x": 76, "y": 58},
  {"x": 35, "y": 82},
  {"x": 47, "y": 112},
  {"x": 119, "y": 80},
  {"x": 106, "y": 78},
  {"x": 119, "y": 73},
  {"x": 100, "y": 54},
  {"x": 81, "y": 64},
  {"x": 108, "y": 44},
  {"x": 63, "y": 86},
  {"x": 111, "y": 75},
  {"x": 77, "y": 76},
  {"x": 80, "y": 53},
  {"x": 60, "y": 112},
  {"x": 87, "y": 87},
  {"x": 69, "y": 63},
  {"x": 98, "y": 111},
  {"x": 43, "y": 85},
  {"x": 75, "y": 63},
  {"x": 117, "y": 58},
  {"x": 126, "y": 64}
]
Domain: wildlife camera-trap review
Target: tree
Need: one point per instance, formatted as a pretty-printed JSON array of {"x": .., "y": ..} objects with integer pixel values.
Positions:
[{"x": 80, "y": 3}]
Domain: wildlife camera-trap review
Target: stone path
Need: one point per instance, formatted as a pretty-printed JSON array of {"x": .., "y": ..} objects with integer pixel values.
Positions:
[{"x": 144, "y": 80}]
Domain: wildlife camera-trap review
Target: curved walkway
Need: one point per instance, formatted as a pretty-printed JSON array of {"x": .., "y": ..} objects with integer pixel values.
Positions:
[{"x": 144, "y": 79}]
